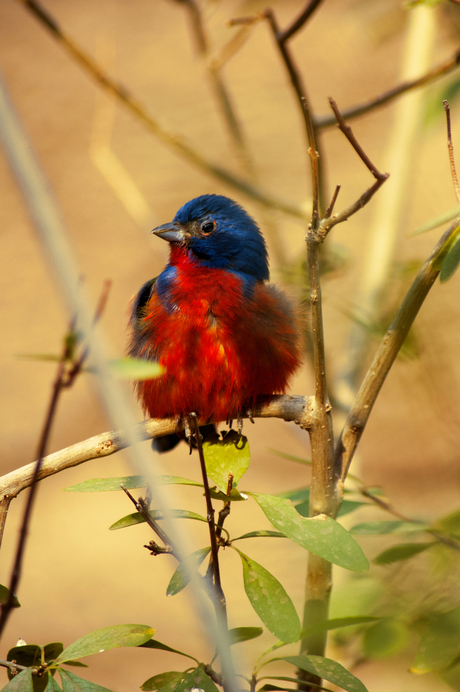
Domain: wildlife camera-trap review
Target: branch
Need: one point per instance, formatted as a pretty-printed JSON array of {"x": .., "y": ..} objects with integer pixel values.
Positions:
[
  {"x": 388, "y": 350},
  {"x": 388, "y": 96},
  {"x": 298, "y": 23},
  {"x": 289, "y": 408},
  {"x": 172, "y": 140},
  {"x": 330, "y": 221}
]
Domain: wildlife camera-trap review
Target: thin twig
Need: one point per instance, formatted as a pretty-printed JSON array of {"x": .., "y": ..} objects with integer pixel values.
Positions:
[
  {"x": 329, "y": 221},
  {"x": 331, "y": 205},
  {"x": 450, "y": 147},
  {"x": 388, "y": 96},
  {"x": 172, "y": 140},
  {"x": 143, "y": 510},
  {"x": 388, "y": 350}
]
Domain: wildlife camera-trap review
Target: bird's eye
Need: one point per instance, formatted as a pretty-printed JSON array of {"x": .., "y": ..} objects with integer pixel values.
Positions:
[{"x": 208, "y": 227}]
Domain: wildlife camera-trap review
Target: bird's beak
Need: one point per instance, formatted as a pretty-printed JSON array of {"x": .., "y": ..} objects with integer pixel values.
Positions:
[{"x": 172, "y": 232}]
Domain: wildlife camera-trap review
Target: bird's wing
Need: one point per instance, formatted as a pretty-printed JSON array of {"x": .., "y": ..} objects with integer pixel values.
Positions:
[{"x": 140, "y": 302}]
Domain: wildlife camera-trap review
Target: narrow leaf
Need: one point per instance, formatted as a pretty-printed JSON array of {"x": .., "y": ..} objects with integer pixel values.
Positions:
[
  {"x": 329, "y": 670},
  {"x": 224, "y": 457},
  {"x": 379, "y": 528},
  {"x": 243, "y": 634},
  {"x": 97, "y": 485},
  {"x": 403, "y": 551},
  {"x": 270, "y": 601},
  {"x": 155, "y": 644},
  {"x": 181, "y": 576},
  {"x": 136, "y": 518},
  {"x": 439, "y": 645},
  {"x": 105, "y": 639},
  {"x": 235, "y": 496},
  {"x": 263, "y": 533},
  {"x": 73, "y": 683},
  {"x": 135, "y": 369},
  {"x": 163, "y": 681},
  {"x": 21, "y": 682},
  {"x": 451, "y": 523},
  {"x": 321, "y": 535},
  {"x": 438, "y": 220}
]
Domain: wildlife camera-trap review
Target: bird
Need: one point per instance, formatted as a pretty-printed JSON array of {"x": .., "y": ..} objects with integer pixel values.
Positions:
[{"x": 224, "y": 335}]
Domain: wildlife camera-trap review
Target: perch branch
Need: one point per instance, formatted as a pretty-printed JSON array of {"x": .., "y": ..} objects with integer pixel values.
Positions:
[
  {"x": 450, "y": 148},
  {"x": 289, "y": 408}
]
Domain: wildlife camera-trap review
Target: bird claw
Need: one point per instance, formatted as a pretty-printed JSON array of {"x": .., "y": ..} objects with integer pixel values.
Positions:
[
  {"x": 249, "y": 415},
  {"x": 239, "y": 428}
]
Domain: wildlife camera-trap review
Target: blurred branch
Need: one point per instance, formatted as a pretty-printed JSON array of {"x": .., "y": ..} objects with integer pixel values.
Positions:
[
  {"x": 289, "y": 408},
  {"x": 298, "y": 23},
  {"x": 388, "y": 350},
  {"x": 392, "y": 94},
  {"x": 173, "y": 141}
]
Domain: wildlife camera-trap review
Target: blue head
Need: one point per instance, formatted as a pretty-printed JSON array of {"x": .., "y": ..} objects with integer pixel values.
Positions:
[{"x": 219, "y": 233}]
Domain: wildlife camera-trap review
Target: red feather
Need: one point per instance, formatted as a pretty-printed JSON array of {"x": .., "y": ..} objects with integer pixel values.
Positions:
[{"x": 221, "y": 348}]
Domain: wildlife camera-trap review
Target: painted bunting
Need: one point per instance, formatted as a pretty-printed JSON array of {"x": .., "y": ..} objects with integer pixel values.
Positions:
[{"x": 224, "y": 335}]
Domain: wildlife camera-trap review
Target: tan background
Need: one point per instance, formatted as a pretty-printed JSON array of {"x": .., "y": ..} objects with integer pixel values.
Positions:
[{"x": 77, "y": 575}]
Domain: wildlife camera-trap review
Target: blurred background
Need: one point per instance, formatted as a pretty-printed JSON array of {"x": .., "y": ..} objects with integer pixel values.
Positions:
[{"x": 114, "y": 181}]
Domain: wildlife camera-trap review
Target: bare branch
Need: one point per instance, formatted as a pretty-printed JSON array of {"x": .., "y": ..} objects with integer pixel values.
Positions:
[
  {"x": 329, "y": 221},
  {"x": 388, "y": 96},
  {"x": 289, "y": 408}
]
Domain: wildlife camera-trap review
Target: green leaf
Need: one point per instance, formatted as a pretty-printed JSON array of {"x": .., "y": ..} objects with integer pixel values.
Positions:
[
  {"x": 403, "y": 551},
  {"x": 4, "y": 594},
  {"x": 451, "y": 523},
  {"x": 181, "y": 576},
  {"x": 136, "y": 518},
  {"x": 321, "y": 535},
  {"x": 163, "y": 681},
  {"x": 20, "y": 683},
  {"x": 243, "y": 634},
  {"x": 155, "y": 644},
  {"x": 337, "y": 623},
  {"x": 73, "y": 683},
  {"x": 445, "y": 248},
  {"x": 263, "y": 533},
  {"x": 440, "y": 644},
  {"x": 48, "y": 357},
  {"x": 97, "y": 485},
  {"x": 379, "y": 528},
  {"x": 235, "y": 496},
  {"x": 135, "y": 369},
  {"x": 270, "y": 601},
  {"x": 224, "y": 457},
  {"x": 26, "y": 655},
  {"x": 53, "y": 650},
  {"x": 197, "y": 680},
  {"x": 451, "y": 262},
  {"x": 52, "y": 685},
  {"x": 385, "y": 638},
  {"x": 105, "y": 639},
  {"x": 329, "y": 670}
]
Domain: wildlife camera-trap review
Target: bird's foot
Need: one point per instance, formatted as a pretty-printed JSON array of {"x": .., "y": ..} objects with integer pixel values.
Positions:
[{"x": 249, "y": 415}]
